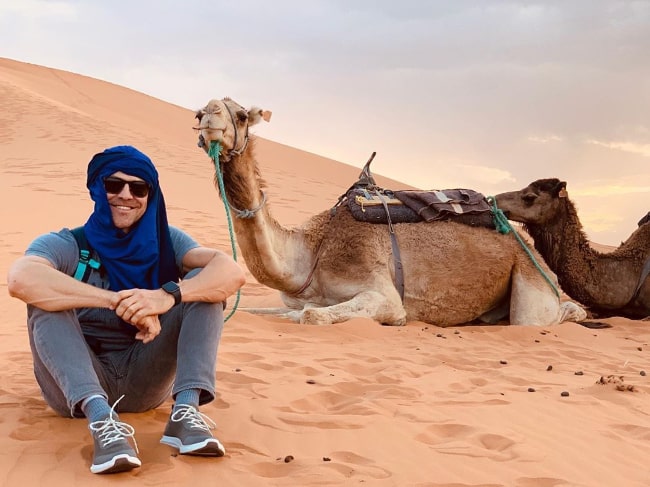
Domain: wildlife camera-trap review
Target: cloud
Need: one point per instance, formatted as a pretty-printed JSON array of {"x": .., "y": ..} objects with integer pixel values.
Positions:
[
  {"x": 611, "y": 190},
  {"x": 487, "y": 175},
  {"x": 635, "y": 148},
  {"x": 545, "y": 139}
]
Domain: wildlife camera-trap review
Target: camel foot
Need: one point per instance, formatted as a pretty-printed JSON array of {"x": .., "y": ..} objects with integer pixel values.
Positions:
[
  {"x": 572, "y": 312},
  {"x": 315, "y": 316}
]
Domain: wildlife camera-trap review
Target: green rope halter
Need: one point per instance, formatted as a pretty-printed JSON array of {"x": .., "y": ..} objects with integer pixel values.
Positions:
[
  {"x": 503, "y": 226},
  {"x": 214, "y": 152}
]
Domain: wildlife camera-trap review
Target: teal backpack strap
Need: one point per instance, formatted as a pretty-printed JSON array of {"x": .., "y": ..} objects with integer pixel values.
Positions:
[{"x": 85, "y": 264}]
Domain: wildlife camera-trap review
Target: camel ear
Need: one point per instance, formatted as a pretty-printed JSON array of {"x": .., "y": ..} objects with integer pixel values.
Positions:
[
  {"x": 560, "y": 190},
  {"x": 256, "y": 114},
  {"x": 199, "y": 114}
]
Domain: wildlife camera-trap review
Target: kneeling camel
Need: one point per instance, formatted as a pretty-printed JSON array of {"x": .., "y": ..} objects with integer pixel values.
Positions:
[
  {"x": 613, "y": 283},
  {"x": 334, "y": 268}
]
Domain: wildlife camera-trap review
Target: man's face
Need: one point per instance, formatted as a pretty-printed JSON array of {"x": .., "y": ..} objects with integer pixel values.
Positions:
[{"x": 126, "y": 208}]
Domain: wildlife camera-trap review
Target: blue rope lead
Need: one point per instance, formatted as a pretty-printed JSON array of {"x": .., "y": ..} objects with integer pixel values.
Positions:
[
  {"x": 214, "y": 152},
  {"x": 503, "y": 225}
]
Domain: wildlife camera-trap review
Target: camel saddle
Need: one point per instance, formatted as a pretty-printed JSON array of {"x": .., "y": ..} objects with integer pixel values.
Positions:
[
  {"x": 412, "y": 206},
  {"x": 370, "y": 203}
]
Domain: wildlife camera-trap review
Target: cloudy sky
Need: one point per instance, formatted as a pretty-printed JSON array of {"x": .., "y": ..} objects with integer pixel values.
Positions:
[{"x": 488, "y": 95}]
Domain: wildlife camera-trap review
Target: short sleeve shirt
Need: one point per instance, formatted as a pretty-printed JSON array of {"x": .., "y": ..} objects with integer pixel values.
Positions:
[
  {"x": 61, "y": 249},
  {"x": 103, "y": 329}
]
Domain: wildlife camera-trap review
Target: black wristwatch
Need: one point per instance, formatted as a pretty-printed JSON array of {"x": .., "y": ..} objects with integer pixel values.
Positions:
[{"x": 172, "y": 288}]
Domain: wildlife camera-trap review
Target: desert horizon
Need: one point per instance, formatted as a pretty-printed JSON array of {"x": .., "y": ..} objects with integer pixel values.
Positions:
[{"x": 343, "y": 404}]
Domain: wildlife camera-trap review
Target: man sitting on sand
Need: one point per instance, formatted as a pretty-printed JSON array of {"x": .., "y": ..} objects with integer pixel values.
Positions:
[{"x": 147, "y": 324}]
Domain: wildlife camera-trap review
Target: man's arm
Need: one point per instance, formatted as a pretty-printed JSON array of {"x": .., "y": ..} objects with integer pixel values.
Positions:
[
  {"x": 219, "y": 278},
  {"x": 35, "y": 281}
]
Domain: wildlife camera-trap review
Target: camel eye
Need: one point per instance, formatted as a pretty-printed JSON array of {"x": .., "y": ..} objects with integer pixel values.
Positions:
[{"x": 529, "y": 199}]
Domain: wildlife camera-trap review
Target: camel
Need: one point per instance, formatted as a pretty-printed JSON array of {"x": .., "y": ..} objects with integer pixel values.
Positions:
[
  {"x": 334, "y": 268},
  {"x": 609, "y": 284}
]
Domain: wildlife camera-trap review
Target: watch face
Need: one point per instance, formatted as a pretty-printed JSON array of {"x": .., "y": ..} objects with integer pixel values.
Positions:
[{"x": 170, "y": 287}]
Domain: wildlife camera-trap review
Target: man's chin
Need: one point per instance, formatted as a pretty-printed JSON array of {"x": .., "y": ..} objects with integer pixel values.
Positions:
[{"x": 122, "y": 225}]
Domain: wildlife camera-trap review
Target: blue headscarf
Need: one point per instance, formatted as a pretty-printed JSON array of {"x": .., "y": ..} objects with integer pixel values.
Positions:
[{"x": 143, "y": 258}]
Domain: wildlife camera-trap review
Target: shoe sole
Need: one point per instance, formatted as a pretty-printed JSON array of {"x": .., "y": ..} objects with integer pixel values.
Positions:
[
  {"x": 119, "y": 463},
  {"x": 207, "y": 448}
]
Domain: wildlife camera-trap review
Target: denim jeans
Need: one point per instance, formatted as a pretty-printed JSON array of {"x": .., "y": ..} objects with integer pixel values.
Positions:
[{"x": 70, "y": 365}]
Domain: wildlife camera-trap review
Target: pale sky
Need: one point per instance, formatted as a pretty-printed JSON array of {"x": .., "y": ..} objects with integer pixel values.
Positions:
[{"x": 488, "y": 95}]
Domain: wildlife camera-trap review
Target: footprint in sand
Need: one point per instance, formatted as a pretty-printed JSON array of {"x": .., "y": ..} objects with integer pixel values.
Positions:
[
  {"x": 302, "y": 470},
  {"x": 460, "y": 439}
]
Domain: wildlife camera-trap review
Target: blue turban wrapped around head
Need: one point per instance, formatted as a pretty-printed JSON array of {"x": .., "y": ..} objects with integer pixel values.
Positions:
[{"x": 144, "y": 257}]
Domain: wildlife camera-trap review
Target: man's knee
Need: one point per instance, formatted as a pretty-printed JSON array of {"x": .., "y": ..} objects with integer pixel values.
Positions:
[{"x": 193, "y": 273}]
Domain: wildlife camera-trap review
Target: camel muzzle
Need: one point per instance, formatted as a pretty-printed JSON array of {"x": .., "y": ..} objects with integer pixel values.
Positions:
[{"x": 207, "y": 135}]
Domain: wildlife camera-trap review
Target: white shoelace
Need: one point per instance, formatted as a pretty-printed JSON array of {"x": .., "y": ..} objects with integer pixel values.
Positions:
[
  {"x": 196, "y": 418},
  {"x": 111, "y": 430}
]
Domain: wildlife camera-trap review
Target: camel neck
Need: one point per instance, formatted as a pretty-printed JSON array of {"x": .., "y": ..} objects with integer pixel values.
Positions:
[{"x": 566, "y": 249}]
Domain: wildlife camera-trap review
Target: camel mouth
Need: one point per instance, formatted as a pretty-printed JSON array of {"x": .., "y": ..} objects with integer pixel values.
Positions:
[{"x": 207, "y": 136}]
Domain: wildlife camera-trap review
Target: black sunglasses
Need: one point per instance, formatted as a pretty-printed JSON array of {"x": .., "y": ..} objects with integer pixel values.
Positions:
[{"x": 114, "y": 185}]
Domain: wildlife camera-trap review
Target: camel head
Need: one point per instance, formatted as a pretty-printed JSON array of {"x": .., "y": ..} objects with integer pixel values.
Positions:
[
  {"x": 226, "y": 122},
  {"x": 537, "y": 204}
]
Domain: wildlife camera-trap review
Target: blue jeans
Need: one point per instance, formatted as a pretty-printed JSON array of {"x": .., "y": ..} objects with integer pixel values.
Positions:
[{"x": 70, "y": 365}]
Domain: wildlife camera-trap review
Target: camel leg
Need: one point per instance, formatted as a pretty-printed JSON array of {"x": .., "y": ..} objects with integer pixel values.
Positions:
[
  {"x": 291, "y": 314},
  {"x": 367, "y": 304},
  {"x": 533, "y": 302},
  {"x": 500, "y": 312}
]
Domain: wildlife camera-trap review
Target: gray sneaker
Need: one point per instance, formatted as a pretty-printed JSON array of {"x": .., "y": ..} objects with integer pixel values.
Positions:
[
  {"x": 189, "y": 431},
  {"x": 113, "y": 452}
]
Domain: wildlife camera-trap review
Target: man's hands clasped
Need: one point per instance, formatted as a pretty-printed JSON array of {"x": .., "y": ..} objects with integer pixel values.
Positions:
[{"x": 141, "y": 308}]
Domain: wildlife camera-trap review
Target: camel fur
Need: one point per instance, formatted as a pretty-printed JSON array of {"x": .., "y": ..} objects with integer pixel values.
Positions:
[
  {"x": 334, "y": 268},
  {"x": 604, "y": 282}
]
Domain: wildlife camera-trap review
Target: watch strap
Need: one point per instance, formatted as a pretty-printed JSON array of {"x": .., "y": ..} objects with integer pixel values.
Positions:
[{"x": 172, "y": 288}]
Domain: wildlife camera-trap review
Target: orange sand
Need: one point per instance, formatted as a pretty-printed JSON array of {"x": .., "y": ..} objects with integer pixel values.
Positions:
[{"x": 353, "y": 403}]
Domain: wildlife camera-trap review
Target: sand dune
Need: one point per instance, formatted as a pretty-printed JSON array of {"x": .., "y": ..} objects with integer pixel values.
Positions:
[{"x": 348, "y": 404}]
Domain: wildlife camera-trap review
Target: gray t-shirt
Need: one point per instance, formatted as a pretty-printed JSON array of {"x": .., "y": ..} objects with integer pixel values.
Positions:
[{"x": 103, "y": 329}]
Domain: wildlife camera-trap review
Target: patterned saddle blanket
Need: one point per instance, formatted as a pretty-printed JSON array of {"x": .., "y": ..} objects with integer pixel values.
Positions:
[
  {"x": 466, "y": 206},
  {"x": 370, "y": 203}
]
